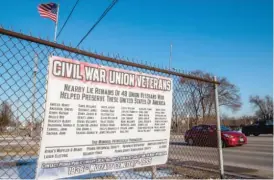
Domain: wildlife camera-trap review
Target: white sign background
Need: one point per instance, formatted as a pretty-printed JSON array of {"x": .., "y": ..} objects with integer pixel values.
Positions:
[{"x": 62, "y": 155}]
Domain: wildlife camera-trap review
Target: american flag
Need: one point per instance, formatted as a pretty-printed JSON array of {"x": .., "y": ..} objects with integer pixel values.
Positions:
[{"x": 48, "y": 11}]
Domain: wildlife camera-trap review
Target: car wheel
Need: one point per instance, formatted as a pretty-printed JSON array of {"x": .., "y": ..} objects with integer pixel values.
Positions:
[
  {"x": 247, "y": 133},
  {"x": 190, "y": 142},
  {"x": 256, "y": 134}
]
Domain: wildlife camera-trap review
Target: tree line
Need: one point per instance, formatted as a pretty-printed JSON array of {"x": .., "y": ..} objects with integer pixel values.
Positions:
[
  {"x": 6, "y": 115},
  {"x": 197, "y": 100},
  {"x": 7, "y": 118},
  {"x": 263, "y": 110}
]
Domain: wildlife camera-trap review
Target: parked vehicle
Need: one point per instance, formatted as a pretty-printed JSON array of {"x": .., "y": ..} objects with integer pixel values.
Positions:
[
  {"x": 259, "y": 127},
  {"x": 206, "y": 135}
]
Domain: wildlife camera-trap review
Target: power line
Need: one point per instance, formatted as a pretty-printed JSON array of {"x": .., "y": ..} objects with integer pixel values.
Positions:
[
  {"x": 97, "y": 22},
  {"x": 67, "y": 18}
]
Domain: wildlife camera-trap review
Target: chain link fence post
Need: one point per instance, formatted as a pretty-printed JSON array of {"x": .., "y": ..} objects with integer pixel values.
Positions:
[
  {"x": 154, "y": 172},
  {"x": 220, "y": 150}
]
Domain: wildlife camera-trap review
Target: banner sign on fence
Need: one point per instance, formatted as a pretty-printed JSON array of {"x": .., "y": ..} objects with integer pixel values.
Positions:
[{"x": 102, "y": 119}]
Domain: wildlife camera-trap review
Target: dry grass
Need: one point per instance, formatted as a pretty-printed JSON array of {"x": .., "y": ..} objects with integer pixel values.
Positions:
[{"x": 9, "y": 151}]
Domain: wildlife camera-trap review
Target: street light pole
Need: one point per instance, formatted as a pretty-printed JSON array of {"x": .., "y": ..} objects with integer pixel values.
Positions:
[
  {"x": 170, "y": 56},
  {"x": 33, "y": 94}
]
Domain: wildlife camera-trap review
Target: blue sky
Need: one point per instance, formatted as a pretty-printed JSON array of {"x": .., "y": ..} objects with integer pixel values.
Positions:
[{"x": 227, "y": 38}]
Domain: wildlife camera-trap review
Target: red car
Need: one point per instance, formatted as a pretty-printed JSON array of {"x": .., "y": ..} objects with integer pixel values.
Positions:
[{"x": 206, "y": 135}]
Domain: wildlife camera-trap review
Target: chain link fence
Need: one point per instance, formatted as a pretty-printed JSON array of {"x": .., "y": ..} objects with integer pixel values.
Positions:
[{"x": 22, "y": 99}]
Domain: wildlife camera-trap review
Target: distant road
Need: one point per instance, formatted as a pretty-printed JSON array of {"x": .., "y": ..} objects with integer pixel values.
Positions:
[{"x": 256, "y": 154}]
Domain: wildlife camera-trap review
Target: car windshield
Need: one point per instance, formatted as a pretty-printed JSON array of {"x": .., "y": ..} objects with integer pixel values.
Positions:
[{"x": 224, "y": 128}]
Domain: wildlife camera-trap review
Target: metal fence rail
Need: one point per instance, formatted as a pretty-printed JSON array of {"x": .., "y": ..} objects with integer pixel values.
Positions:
[{"x": 23, "y": 71}]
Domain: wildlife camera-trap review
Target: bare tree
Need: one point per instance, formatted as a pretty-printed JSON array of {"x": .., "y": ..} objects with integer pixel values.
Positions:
[
  {"x": 6, "y": 115},
  {"x": 263, "y": 106},
  {"x": 238, "y": 121},
  {"x": 201, "y": 99}
]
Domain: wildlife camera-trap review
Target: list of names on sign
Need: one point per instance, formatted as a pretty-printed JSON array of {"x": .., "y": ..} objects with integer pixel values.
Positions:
[
  {"x": 108, "y": 120},
  {"x": 160, "y": 120},
  {"x": 144, "y": 120},
  {"x": 59, "y": 119},
  {"x": 101, "y": 119},
  {"x": 128, "y": 119},
  {"x": 86, "y": 119}
]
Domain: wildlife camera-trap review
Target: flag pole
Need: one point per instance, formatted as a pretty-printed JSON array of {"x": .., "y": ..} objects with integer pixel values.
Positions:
[{"x": 56, "y": 23}]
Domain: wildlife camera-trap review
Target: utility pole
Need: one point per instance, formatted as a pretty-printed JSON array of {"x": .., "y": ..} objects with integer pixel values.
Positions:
[{"x": 33, "y": 93}]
